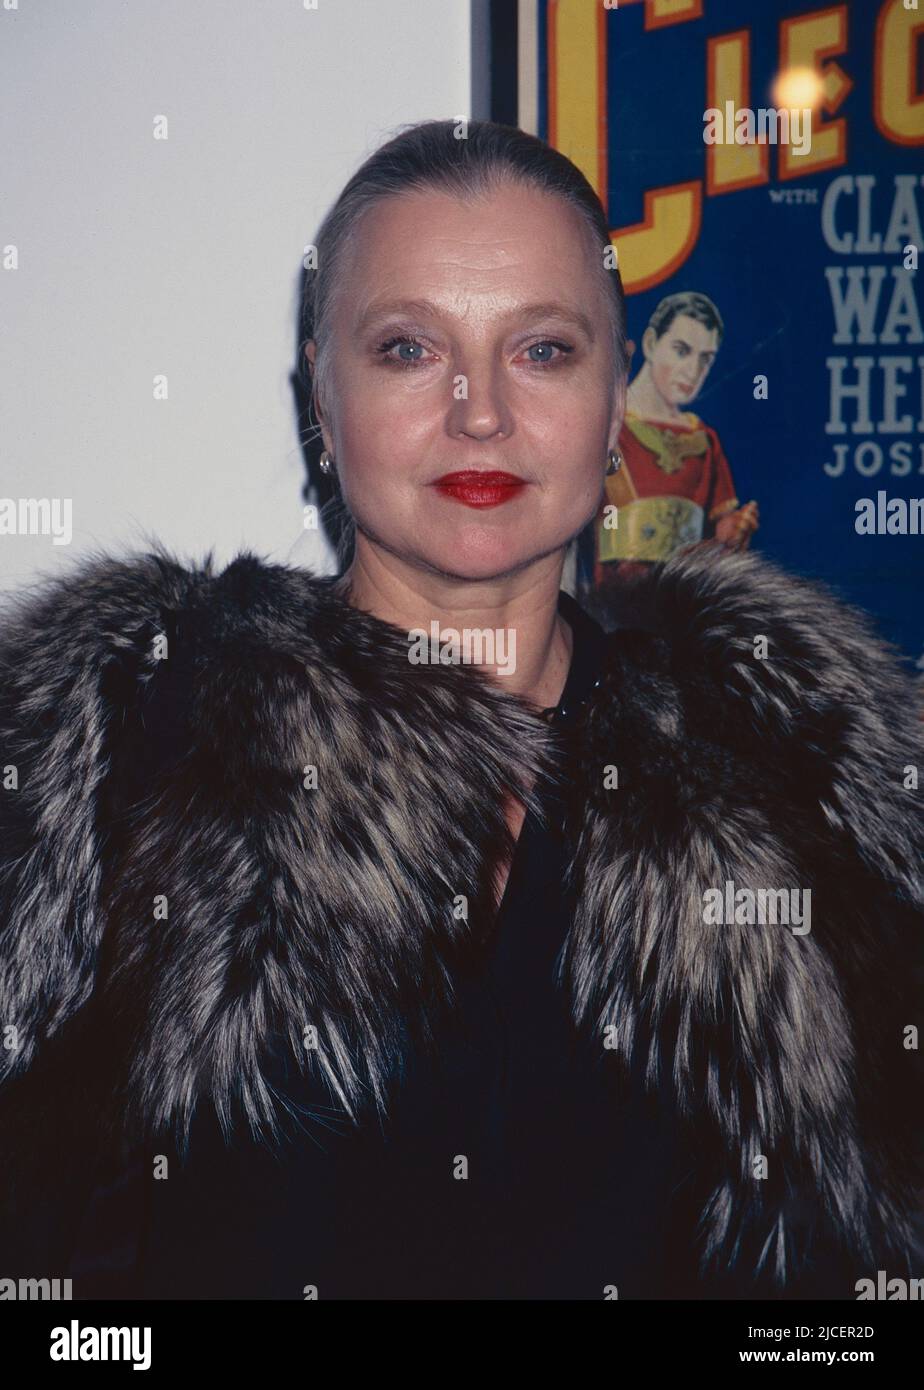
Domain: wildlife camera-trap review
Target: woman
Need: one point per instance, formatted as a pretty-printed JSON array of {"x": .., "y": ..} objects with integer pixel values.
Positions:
[{"x": 331, "y": 968}]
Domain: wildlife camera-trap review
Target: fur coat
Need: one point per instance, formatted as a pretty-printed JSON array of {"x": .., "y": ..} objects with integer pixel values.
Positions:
[{"x": 231, "y": 810}]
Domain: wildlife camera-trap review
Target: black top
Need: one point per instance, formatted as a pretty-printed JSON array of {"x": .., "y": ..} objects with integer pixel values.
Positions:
[{"x": 515, "y": 1164}]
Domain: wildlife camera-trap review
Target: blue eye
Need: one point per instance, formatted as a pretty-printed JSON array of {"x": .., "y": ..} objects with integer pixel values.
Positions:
[
  {"x": 549, "y": 343},
  {"x": 401, "y": 341}
]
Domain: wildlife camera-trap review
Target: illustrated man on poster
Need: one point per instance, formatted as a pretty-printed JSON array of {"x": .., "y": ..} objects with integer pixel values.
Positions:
[{"x": 674, "y": 485}]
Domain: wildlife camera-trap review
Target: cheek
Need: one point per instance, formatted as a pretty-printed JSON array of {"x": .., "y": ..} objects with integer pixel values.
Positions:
[
  {"x": 574, "y": 482},
  {"x": 570, "y": 447},
  {"x": 379, "y": 484},
  {"x": 586, "y": 489},
  {"x": 373, "y": 432},
  {"x": 388, "y": 424},
  {"x": 374, "y": 481}
]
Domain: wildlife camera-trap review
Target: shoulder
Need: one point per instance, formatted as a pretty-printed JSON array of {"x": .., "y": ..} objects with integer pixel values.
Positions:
[
  {"x": 776, "y": 645},
  {"x": 107, "y": 605},
  {"x": 789, "y": 684},
  {"x": 79, "y": 650},
  {"x": 65, "y": 638},
  {"x": 97, "y": 594}
]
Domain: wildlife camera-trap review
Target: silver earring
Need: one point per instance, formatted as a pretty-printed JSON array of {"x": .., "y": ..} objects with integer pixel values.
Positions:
[
  {"x": 326, "y": 463},
  {"x": 613, "y": 462}
]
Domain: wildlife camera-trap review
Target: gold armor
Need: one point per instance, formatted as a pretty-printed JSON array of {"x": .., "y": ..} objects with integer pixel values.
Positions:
[
  {"x": 651, "y": 528},
  {"x": 647, "y": 528}
]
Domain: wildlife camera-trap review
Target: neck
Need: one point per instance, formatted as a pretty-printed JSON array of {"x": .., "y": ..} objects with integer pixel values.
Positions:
[{"x": 522, "y": 608}]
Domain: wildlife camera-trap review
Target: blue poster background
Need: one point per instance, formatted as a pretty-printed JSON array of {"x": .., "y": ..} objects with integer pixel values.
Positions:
[{"x": 763, "y": 264}]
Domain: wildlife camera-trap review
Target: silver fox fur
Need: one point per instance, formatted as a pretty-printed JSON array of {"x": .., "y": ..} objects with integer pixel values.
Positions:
[{"x": 181, "y": 772}]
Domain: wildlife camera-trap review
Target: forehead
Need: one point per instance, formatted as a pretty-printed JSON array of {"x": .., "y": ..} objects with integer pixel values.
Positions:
[
  {"x": 513, "y": 242},
  {"x": 698, "y": 336}
]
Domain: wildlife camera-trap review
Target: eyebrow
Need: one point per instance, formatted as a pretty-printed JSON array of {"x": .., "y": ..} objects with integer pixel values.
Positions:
[
  {"x": 705, "y": 352},
  {"x": 423, "y": 308}
]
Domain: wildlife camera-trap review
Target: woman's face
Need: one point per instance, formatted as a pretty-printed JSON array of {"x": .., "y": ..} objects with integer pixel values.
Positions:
[{"x": 471, "y": 337}]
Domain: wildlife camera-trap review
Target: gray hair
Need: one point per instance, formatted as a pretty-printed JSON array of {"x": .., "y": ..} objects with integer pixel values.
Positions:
[{"x": 465, "y": 159}]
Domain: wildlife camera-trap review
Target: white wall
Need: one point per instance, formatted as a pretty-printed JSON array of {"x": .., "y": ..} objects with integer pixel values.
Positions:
[{"x": 140, "y": 256}]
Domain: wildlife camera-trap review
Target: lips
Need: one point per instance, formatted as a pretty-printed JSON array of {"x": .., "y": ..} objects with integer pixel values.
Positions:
[{"x": 477, "y": 489}]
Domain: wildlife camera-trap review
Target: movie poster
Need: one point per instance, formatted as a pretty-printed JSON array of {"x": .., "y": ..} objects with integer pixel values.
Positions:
[{"x": 761, "y": 167}]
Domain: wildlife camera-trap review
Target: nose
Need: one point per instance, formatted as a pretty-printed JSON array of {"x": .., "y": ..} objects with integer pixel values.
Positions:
[{"x": 480, "y": 405}]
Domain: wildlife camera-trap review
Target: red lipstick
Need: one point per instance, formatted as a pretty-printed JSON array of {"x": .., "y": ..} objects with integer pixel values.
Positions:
[{"x": 480, "y": 489}]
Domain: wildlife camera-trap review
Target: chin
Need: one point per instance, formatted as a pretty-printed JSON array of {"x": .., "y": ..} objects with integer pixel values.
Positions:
[
  {"x": 475, "y": 567},
  {"x": 486, "y": 562}
]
